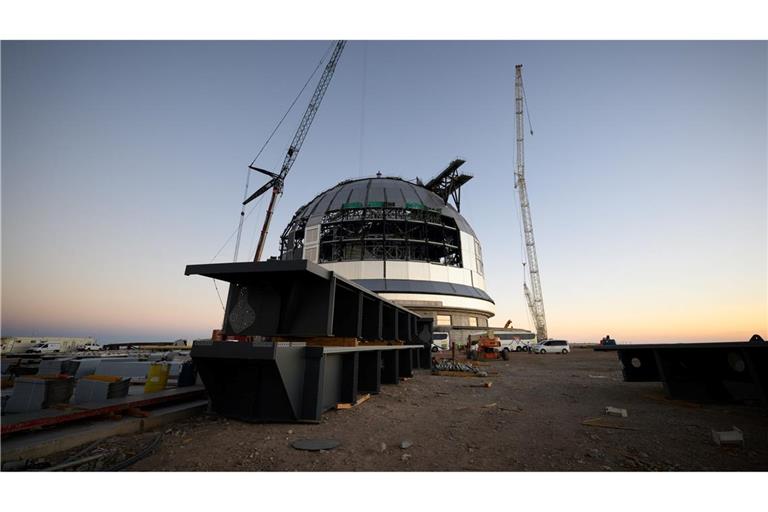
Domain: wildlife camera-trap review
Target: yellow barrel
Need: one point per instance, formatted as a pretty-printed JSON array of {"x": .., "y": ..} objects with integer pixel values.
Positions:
[{"x": 157, "y": 377}]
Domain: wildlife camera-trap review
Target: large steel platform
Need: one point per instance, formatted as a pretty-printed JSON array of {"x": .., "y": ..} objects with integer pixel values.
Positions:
[
  {"x": 728, "y": 371},
  {"x": 262, "y": 382},
  {"x": 271, "y": 380}
]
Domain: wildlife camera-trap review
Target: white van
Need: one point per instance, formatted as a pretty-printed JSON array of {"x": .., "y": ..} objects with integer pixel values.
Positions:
[
  {"x": 440, "y": 341},
  {"x": 552, "y": 347},
  {"x": 44, "y": 348}
]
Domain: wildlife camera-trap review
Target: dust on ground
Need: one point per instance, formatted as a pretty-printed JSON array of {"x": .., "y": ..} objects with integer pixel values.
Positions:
[{"x": 530, "y": 419}]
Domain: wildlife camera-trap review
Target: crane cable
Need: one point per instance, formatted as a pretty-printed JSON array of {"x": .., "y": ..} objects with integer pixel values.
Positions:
[
  {"x": 255, "y": 205},
  {"x": 525, "y": 102},
  {"x": 363, "y": 94},
  {"x": 243, "y": 215}
]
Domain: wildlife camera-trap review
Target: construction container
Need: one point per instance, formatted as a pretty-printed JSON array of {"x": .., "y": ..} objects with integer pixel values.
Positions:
[
  {"x": 187, "y": 375},
  {"x": 97, "y": 388},
  {"x": 157, "y": 377},
  {"x": 79, "y": 368},
  {"x": 52, "y": 366},
  {"x": 39, "y": 392}
]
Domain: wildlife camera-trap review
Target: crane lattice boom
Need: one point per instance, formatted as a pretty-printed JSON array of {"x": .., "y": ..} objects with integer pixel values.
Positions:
[
  {"x": 278, "y": 179},
  {"x": 533, "y": 296}
]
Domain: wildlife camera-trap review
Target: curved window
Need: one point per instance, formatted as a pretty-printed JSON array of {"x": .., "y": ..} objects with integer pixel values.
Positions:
[{"x": 383, "y": 232}]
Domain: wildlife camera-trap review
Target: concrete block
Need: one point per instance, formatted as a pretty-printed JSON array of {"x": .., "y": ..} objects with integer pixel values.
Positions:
[
  {"x": 52, "y": 366},
  {"x": 34, "y": 393},
  {"x": 734, "y": 437},
  {"x": 81, "y": 367},
  {"x": 615, "y": 411},
  {"x": 88, "y": 390},
  {"x": 28, "y": 395}
]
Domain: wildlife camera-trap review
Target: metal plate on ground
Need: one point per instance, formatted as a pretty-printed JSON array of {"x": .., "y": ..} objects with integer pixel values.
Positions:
[{"x": 314, "y": 445}]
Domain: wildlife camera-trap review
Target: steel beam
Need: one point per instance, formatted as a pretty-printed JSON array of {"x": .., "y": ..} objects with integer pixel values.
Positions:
[
  {"x": 254, "y": 382},
  {"x": 731, "y": 371}
]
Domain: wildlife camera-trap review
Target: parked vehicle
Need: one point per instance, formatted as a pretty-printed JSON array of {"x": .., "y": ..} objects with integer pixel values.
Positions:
[
  {"x": 440, "y": 341},
  {"x": 552, "y": 347},
  {"x": 487, "y": 346},
  {"x": 88, "y": 347},
  {"x": 44, "y": 348},
  {"x": 516, "y": 342}
]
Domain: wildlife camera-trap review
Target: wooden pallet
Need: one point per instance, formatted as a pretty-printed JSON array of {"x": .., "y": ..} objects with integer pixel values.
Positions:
[
  {"x": 332, "y": 341},
  {"x": 358, "y": 402},
  {"x": 320, "y": 341},
  {"x": 382, "y": 343}
]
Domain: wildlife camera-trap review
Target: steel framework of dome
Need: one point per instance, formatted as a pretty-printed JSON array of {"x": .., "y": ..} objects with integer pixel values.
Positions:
[{"x": 400, "y": 238}]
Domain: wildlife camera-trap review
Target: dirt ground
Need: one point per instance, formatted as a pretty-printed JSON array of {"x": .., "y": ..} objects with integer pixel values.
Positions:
[{"x": 530, "y": 419}]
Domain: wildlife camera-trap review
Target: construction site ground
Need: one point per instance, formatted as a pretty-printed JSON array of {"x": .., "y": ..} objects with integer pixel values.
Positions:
[{"x": 531, "y": 418}]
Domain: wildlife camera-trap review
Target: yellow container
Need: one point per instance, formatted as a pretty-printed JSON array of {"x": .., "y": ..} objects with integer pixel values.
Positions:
[{"x": 157, "y": 377}]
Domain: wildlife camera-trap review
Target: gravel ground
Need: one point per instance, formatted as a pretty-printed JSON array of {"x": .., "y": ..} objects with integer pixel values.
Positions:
[{"x": 530, "y": 419}]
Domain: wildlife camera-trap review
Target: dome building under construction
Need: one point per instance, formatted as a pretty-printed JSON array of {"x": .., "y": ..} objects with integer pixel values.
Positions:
[{"x": 402, "y": 240}]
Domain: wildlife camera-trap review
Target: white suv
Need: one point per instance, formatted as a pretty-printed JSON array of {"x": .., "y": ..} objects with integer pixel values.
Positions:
[{"x": 552, "y": 347}]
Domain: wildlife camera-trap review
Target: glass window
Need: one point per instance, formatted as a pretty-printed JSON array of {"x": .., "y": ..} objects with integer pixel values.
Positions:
[
  {"x": 443, "y": 320},
  {"x": 473, "y": 321}
]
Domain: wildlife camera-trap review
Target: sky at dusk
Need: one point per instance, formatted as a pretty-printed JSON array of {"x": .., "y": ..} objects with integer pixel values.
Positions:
[{"x": 122, "y": 162}]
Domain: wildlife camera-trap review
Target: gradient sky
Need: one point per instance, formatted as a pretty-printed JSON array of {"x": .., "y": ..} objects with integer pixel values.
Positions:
[{"x": 122, "y": 162}]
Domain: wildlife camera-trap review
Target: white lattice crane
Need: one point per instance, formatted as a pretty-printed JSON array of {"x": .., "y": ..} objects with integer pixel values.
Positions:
[{"x": 533, "y": 294}]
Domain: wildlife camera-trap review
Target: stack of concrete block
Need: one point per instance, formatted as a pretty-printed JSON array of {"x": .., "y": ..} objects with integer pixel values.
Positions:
[
  {"x": 97, "y": 388},
  {"x": 39, "y": 392}
]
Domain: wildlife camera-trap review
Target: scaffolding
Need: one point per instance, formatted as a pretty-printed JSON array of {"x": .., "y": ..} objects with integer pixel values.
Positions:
[{"x": 380, "y": 231}]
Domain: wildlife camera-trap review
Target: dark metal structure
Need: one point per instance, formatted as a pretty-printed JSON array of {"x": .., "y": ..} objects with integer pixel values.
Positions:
[
  {"x": 275, "y": 380},
  {"x": 380, "y": 218},
  {"x": 733, "y": 371},
  {"x": 263, "y": 382},
  {"x": 449, "y": 182},
  {"x": 299, "y": 298}
]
